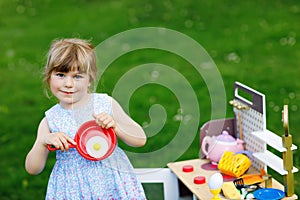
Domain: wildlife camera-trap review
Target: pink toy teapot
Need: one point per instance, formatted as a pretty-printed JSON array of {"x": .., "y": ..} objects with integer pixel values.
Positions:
[{"x": 214, "y": 147}]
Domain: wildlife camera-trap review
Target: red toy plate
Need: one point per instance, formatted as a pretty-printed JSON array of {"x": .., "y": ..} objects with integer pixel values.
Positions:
[{"x": 96, "y": 137}]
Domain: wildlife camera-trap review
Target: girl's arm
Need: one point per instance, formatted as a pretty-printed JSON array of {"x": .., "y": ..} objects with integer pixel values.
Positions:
[
  {"x": 37, "y": 156},
  {"x": 125, "y": 128}
]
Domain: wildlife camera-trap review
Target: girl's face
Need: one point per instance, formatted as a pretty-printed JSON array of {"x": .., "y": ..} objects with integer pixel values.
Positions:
[{"x": 70, "y": 88}]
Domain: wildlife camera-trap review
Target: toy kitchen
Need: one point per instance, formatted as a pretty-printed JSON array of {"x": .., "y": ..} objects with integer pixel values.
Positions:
[{"x": 237, "y": 153}]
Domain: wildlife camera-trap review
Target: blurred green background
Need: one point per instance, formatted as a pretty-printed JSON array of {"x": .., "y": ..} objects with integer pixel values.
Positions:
[{"x": 254, "y": 42}]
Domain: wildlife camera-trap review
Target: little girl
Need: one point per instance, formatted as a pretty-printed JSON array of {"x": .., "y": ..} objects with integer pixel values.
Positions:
[{"x": 69, "y": 72}]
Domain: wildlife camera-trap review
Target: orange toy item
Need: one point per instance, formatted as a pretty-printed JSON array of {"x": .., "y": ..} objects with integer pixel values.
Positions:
[
  {"x": 250, "y": 179},
  {"x": 234, "y": 164}
]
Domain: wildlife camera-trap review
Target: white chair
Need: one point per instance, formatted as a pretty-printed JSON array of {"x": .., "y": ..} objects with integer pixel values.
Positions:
[{"x": 160, "y": 175}]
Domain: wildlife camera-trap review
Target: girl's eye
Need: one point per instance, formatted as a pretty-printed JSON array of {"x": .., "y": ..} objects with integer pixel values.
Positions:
[
  {"x": 60, "y": 75},
  {"x": 77, "y": 76}
]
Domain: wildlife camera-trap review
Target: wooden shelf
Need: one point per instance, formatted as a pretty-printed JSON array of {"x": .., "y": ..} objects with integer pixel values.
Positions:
[
  {"x": 272, "y": 140},
  {"x": 273, "y": 161}
]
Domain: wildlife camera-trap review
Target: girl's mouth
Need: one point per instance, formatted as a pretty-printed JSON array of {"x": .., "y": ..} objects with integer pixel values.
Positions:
[{"x": 68, "y": 92}]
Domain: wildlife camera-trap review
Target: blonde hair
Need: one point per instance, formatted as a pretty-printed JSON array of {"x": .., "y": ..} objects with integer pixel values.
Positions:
[{"x": 71, "y": 54}]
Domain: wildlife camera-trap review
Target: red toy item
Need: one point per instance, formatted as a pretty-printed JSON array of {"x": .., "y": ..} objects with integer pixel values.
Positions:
[
  {"x": 199, "y": 180},
  {"x": 93, "y": 142},
  {"x": 188, "y": 168}
]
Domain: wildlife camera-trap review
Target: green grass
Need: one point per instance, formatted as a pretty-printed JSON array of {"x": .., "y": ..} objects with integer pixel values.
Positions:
[{"x": 254, "y": 42}]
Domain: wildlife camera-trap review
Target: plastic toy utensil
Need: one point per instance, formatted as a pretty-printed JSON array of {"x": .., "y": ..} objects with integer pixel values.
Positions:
[{"x": 93, "y": 142}]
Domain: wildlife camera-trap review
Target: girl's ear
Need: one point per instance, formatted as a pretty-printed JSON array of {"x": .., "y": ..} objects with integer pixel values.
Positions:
[
  {"x": 89, "y": 85},
  {"x": 89, "y": 90},
  {"x": 90, "y": 81}
]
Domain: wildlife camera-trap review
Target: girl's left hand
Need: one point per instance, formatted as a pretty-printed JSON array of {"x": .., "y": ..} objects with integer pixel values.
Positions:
[{"x": 105, "y": 120}]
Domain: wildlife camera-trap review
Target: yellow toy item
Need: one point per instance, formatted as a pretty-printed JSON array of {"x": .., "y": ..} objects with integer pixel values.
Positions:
[
  {"x": 215, "y": 194},
  {"x": 234, "y": 164},
  {"x": 230, "y": 191}
]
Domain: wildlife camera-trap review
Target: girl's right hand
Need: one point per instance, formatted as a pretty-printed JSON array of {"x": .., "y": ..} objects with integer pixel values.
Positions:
[{"x": 60, "y": 140}]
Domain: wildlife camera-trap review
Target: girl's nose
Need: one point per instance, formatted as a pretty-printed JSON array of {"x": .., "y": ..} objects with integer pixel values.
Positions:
[{"x": 69, "y": 82}]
